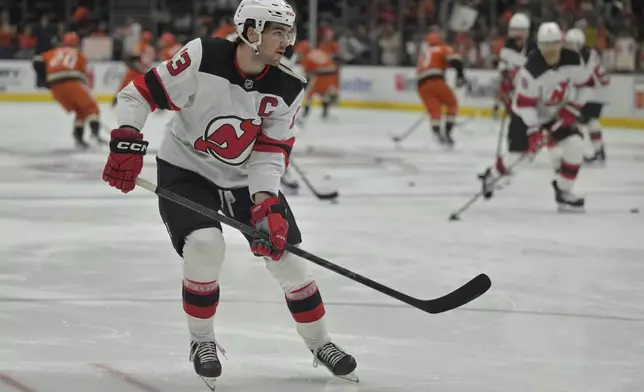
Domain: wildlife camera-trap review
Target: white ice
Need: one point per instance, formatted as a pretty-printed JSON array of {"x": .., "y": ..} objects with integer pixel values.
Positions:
[{"x": 90, "y": 285}]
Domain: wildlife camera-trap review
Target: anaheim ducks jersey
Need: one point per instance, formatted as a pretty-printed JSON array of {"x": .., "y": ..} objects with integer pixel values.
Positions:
[
  {"x": 541, "y": 89},
  {"x": 434, "y": 60},
  {"x": 601, "y": 80},
  {"x": 234, "y": 129},
  {"x": 513, "y": 55},
  {"x": 318, "y": 62},
  {"x": 64, "y": 64}
]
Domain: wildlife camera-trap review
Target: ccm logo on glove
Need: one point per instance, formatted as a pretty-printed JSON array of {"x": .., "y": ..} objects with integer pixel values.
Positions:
[{"x": 125, "y": 147}]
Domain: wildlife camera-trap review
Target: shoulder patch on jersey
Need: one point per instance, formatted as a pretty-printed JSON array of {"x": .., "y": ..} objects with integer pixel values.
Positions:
[{"x": 215, "y": 53}]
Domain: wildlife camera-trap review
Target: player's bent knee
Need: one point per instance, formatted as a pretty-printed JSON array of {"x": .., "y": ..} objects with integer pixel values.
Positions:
[
  {"x": 291, "y": 272},
  {"x": 203, "y": 254},
  {"x": 572, "y": 149}
]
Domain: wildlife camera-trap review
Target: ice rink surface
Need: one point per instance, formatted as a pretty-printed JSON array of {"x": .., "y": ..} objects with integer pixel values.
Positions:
[{"x": 90, "y": 285}]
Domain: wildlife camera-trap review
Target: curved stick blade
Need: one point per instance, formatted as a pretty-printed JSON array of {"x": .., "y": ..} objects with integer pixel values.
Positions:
[{"x": 459, "y": 297}]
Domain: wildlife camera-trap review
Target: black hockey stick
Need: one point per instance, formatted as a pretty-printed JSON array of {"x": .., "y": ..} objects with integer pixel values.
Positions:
[
  {"x": 461, "y": 296},
  {"x": 455, "y": 216},
  {"x": 409, "y": 131},
  {"x": 320, "y": 195}
]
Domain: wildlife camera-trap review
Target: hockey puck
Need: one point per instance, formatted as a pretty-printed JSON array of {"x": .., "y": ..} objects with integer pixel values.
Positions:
[
  {"x": 411, "y": 184},
  {"x": 454, "y": 218},
  {"x": 635, "y": 210}
]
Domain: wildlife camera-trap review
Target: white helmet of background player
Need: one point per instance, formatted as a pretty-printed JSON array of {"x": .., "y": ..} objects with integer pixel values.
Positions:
[
  {"x": 549, "y": 40},
  {"x": 262, "y": 12},
  {"x": 575, "y": 39},
  {"x": 519, "y": 25}
]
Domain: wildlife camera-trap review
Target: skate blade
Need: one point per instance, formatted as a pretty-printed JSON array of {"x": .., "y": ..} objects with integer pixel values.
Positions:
[
  {"x": 567, "y": 209},
  {"x": 351, "y": 377},
  {"x": 210, "y": 382}
]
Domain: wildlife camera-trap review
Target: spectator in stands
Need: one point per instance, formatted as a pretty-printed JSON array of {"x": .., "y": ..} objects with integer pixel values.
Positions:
[
  {"x": 7, "y": 35},
  {"x": 225, "y": 28},
  {"x": 45, "y": 33},
  {"x": 27, "y": 43},
  {"x": 389, "y": 43}
]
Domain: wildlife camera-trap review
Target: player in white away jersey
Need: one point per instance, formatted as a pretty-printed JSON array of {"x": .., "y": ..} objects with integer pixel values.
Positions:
[
  {"x": 512, "y": 57},
  {"x": 590, "y": 114},
  {"x": 226, "y": 148},
  {"x": 551, "y": 89}
]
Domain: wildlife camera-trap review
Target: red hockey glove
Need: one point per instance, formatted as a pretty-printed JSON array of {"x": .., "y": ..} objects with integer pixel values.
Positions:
[
  {"x": 535, "y": 141},
  {"x": 569, "y": 115},
  {"x": 125, "y": 161},
  {"x": 269, "y": 217},
  {"x": 506, "y": 86}
]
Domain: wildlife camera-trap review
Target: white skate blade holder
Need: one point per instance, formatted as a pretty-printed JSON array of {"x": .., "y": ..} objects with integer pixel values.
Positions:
[{"x": 210, "y": 382}]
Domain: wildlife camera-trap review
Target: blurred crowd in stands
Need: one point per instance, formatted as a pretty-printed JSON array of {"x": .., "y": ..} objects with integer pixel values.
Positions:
[{"x": 368, "y": 32}]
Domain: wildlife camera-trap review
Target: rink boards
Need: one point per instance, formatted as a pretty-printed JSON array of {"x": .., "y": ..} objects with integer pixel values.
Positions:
[{"x": 361, "y": 87}]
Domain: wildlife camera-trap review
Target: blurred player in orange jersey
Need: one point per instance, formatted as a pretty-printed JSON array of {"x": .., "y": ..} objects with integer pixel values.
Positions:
[
  {"x": 433, "y": 90},
  {"x": 64, "y": 70},
  {"x": 169, "y": 46},
  {"x": 322, "y": 72},
  {"x": 139, "y": 61}
]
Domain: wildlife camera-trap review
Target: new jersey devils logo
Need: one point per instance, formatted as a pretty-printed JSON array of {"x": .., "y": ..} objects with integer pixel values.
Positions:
[{"x": 229, "y": 138}]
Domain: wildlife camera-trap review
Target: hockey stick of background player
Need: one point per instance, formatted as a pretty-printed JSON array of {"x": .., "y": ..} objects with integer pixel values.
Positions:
[
  {"x": 320, "y": 195},
  {"x": 455, "y": 216},
  {"x": 409, "y": 131},
  {"x": 459, "y": 297},
  {"x": 499, "y": 142}
]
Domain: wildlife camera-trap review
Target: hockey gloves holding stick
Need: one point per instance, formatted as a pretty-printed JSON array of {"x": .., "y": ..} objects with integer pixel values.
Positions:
[
  {"x": 568, "y": 116},
  {"x": 268, "y": 216},
  {"x": 125, "y": 161}
]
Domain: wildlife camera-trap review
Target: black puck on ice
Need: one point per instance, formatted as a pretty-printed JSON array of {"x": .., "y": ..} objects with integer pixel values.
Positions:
[
  {"x": 635, "y": 210},
  {"x": 454, "y": 217}
]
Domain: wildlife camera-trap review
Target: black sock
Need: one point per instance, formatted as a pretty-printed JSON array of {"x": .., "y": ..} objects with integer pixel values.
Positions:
[{"x": 95, "y": 126}]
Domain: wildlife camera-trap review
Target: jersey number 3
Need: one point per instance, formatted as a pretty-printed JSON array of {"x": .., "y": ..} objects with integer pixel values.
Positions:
[{"x": 178, "y": 63}]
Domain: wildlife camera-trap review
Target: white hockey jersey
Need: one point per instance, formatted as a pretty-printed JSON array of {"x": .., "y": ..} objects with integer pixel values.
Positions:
[
  {"x": 513, "y": 57},
  {"x": 601, "y": 79},
  {"x": 234, "y": 129},
  {"x": 541, "y": 90}
]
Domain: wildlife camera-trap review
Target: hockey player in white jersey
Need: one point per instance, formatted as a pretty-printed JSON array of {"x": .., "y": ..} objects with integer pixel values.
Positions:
[
  {"x": 551, "y": 89},
  {"x": 226, "y": 148},
  {"x": 512, "y": 57},
  {"x": 591, "y": 112}
]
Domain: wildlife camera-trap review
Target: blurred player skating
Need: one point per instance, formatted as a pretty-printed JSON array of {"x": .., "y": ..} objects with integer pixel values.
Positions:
[
  {"x": 513, "y": 56},
  {"x": 590, "y": 114},
  {"x": 322, "y": 73},
  {"x": 139, "y": 60},
  {"x": 434, "y": 59},
  {"x": 551, "y": 89},
  {"x": 169, "y": 46},
  {"x": 64, "y": 71},
  {"x": 227, "y": 148}
]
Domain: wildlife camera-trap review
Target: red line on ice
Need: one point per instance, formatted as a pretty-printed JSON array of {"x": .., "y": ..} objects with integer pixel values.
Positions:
[
  {"x": 14, "y": 383},
  {"x": 127, "y": 378}
]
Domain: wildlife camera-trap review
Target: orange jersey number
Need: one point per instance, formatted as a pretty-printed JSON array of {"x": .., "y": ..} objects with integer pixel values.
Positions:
[
  {"x": 317, "y": 61},
  {"x": 434, "y": 58},
  {"x": 64, "y": 59}
]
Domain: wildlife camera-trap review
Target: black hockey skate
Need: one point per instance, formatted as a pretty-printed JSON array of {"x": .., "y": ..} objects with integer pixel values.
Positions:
[
  {"x": 439, "y": 136},
  {"x": 339, "y": 363},
  {"x": 487, "y": 183},
  {"x": 447, "y": 139},
  {"x": 598, "y": 157},
  {"x": 203, "y": 356},
  {"x": 567, "y": 201}
]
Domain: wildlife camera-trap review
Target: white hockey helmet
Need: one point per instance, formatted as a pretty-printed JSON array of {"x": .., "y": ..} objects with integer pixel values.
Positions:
[
  {"x": 263, "y": 11},
  {"x": 519, "y": 21},
  {"x": 575, "y": 39},
  {"x": 549, "y": 32}
]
